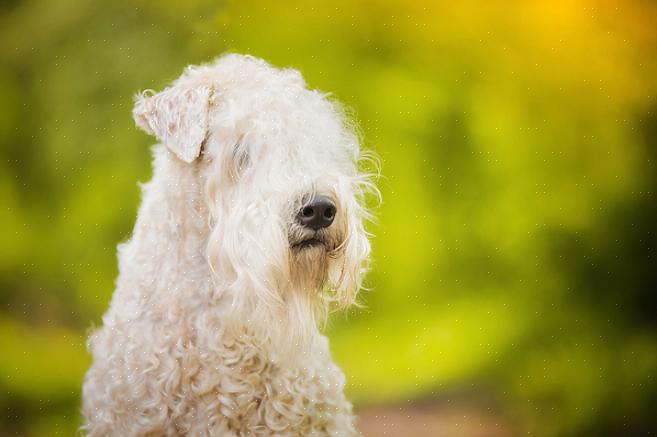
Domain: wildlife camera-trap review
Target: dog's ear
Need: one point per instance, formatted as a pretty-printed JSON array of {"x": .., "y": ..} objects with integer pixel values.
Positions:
[{"x": 177, "y": 116}]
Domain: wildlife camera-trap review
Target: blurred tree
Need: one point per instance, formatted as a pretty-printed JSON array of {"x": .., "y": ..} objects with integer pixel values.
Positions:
[{"x": 514, "y": 254}]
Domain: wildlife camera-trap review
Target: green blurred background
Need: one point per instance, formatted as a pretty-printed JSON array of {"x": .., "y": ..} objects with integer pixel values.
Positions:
[{"x": 515, "y": 266}]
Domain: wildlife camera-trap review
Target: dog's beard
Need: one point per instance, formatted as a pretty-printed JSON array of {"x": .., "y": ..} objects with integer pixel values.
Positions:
[
  {"x": 309, "y": 267},
  {"x": 311, "y": 253}
]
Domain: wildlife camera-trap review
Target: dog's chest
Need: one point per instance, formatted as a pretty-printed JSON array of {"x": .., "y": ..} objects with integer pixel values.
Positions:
[{"x": 235, "y": 381}]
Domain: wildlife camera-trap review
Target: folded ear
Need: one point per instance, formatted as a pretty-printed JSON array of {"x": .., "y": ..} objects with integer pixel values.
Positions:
[{"x": 177, "y": 116}]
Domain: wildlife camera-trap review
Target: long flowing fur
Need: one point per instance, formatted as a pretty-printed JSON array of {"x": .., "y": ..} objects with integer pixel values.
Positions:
[{"x": 214, "y": 325}]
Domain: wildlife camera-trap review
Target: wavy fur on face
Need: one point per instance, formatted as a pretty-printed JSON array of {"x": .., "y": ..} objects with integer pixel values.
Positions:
[{"x": 213, "y": 328}]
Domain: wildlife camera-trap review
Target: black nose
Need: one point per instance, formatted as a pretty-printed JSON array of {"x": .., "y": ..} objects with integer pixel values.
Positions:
[{"x": 318, "y": 213}]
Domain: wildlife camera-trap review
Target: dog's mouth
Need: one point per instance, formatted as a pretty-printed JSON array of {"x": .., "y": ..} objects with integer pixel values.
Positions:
[{"x": 309, "y": 243}]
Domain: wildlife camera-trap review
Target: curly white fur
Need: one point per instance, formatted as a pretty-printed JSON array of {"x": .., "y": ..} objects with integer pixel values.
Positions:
[{"x": 213, "y": 327}]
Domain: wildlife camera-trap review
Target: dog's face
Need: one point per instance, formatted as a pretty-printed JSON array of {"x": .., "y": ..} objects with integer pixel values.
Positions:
[{"x": 282, "y": 184}]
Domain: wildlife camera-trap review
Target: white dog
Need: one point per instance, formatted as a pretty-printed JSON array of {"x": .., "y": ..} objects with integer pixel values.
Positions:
[{"x": 249, "y": 232}]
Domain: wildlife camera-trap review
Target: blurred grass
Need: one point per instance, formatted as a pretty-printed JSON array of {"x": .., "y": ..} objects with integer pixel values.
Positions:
[{"x": 515, "y": 249}]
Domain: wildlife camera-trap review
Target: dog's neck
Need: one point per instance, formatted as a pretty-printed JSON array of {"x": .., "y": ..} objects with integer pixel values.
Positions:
[{"x": 166, "y": 255}]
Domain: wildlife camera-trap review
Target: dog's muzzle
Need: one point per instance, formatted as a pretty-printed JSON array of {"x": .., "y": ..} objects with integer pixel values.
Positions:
[{"x": 313, "y": 224}]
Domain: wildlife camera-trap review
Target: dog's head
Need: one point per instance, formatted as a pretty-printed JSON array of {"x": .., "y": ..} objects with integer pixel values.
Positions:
[{"x": 285, "y": 194}]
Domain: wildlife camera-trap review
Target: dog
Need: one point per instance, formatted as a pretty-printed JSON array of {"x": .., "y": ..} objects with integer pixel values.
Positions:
[{"x": 251, "y": 231}]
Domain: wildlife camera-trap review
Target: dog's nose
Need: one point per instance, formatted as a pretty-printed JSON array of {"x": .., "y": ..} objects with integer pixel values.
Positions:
[{"x": 318, "y": 213}]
